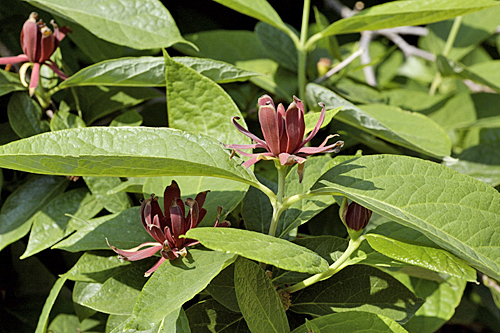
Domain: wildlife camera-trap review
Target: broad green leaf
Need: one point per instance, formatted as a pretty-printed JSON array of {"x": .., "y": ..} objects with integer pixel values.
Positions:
[
  {"x": 100, "y": 101},
  {"x": 49, "y": 303},
  {"x": 99, "y": 186},
  {"x": 9, "y": 82},
  {"x": 65, "y": 120},
  {"x": 123, "y": 230},
  {"x": 481, "y": 162},
  {"x": 53, "y": 223},
  {"x": 25, "y": 115},
  {"x": 222, "y": 289},
  {"x": 197, "y": 104},
  {"x": 311, "y": 118},
  {"x": 175, "y": 282},
  {"x": 332, "y": 43},
  {"x": 19, "y": 209},
  {"x": 97, "y": 267},
  {"x": 278, "y": 45},
  {"x": 144, "y": 24},
  {"x": 407, "y": 129},
  {"x": 208, "y": 316},
  {"x": 256, "y": 211},
  {"x": 257, "y": 298},
  {"x": 150, "y": 72},
  {"x": 174, "y": 322},
  {"x": 428, "y": 197},
  {"x": 489, "y": 71},
  {"x": 63, "y": 323},
  {"x": 222, "y": 192},
  {"x": 353, "y": 322},
  {"x": 401, "y": 13},
  {"x": 258, "y": 9},
  {"x": 474, "y": 29},
  {"x": 441, "y": 299},
  {"x": 260, "y": 247},
  {"x": 129, "y": 118},
  {"x": 360, "y": 288},
  {"x": 123, "y": 152},
  {"x": 437, "y": 260}
]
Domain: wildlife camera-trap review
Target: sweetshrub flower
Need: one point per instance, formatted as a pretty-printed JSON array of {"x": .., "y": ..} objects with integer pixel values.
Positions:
[
  {"x": 167, "y": 229},
  {"x": 355, "y": 217},
  {"x": 283, "y": 135},
  {"x": 38, "y": 44}
]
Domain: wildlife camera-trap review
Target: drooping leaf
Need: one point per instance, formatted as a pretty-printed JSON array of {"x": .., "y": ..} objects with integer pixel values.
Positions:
[
  {"x": 9, "y": 82},
  {"x": 49, "y": 303},
  {"x": 25, "y": 115},
  {"x": 197, "y": 104},
  {"x": 137, "y": 24},
  {"x": 407, "y": 129},
  {"x": 208, "y": 316},
  {"x": 257, "y": 299},
  {"x": 260, "y": 247},
  {"x": 130, "y": 151},
  {"x": 352, "y": 322},
  {"x": 428, "y": 197},
  {"x": 361, "y": 288},
  {"x": 222, "y": 289},
  {"x": 400, "y": 13},
  {"x": 278, "y": 45},
  {"x": 150, "y": 72},
  {"x": 19, "y": 209},
  {"x": 176, "y": 282}
]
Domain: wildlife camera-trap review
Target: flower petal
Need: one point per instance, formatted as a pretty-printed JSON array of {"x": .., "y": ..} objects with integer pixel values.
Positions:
[
  {"x": 13, "y": 60},
  {"x": 317, "y": 127},
  {"x": 247, "y": 133},
  {"x": 30, "y": 38},
  {"x": 154, "y": 268},
  {"x": 193, "y": 215},
  {"x": 35, "y": 77},
  {"x": 177, "y": 220},
  {"x": 137, "y": 255},
  {"x": 269, "y": 125},
  {"x": 56, "y": 69},
  {"x": 156, "y": 231},
  {"x": 295, "y": 127},
  {"x": 265, "y": 100}
]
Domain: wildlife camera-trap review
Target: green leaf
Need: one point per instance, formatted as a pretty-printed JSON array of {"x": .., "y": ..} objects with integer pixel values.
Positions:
[
  {"x": 278, "y": 45},
  {"x": 150, "y": 72},
  {"x": 208, "y": 316},
  {"x": 257, "y": 211},
  {"x": 132, "y": 185},
  {"x": 64, "y": 120},
  {"x": 141, "y": 25},
  {"x": 53, "y": 223},
  {"x": 481, "y": 162},
  {"x": 18, "y": 210},
  {"x": 353, "y": 322},
  {"x": 63, "y": 323},
  {"x": 222, "y": 192},
  {"x": 123, "y": 230},
  {"x": 427, "y": 257},
  {"x": 129, "y": 118},
  {"x": 260, "y": 247},
  {"x": 97, "y": 267},
  {"x": 402, "y": 13},
  {"x": 197, "y": 104},
  {"x": 25, "y": 115},
  {"x": 222, "y": 289},
  {"x": 258, "y": 9},
  {"x": 9, "y": 82},
  {"x": 407, "y": 129},
  {"x": 428, "y": 197},
  {"x": 257, "y": 298},
  {"x": 99, "y": 187},
  {"x": 174, "y": 283},
  {"x": 123, "y": 152},
  {"x": 361, "y": 288},
  {"x": 41, "y": 327},
  {"x": 311, "y": 118}
]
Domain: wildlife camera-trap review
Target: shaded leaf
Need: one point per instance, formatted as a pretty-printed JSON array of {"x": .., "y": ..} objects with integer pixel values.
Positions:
[
  {"x": 129, "y": 118},
  {"x": 25, "y": 115},
  {"x": 278, "y": 45},
  {"x": 99, "y": 187},
  {"x": 209, "y": 316},
  {"x": 10, "y": 82},
  {"x": 222, "y": 289},
  {"x": 49, "y": 303}
]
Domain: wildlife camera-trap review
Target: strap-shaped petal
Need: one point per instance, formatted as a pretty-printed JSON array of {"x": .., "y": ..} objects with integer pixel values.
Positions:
[
  {"x": 247, "y": 133},
  {"x": 193, "y": 215},
  {"x": 294, "y": 125},
  {"x": 270, "y": 129},
  {"x": 154, "y": 268},
  {"x": 317, "y": 127},
  {"x": 177, "y": 219},
  {"x": 172, "y": 193},
  {"x": 35, "y": 77},
  {"x": 137, "y": 255},
  {"x": 265, "y": 100},
  {"x": 30, "y": 38}
]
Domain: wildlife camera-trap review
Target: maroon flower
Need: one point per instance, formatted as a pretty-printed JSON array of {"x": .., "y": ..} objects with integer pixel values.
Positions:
[
  {"x": 284, "y": 135},
  {"x": 38, "y": 44},
  {"x": 356, "y": 217},
  {"x": 167, "y": 229}
]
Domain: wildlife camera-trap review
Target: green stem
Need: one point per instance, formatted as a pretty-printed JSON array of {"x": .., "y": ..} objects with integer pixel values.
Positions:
[
  {"x": 302, "y": 50},
  {"x": 334, "y": 268},
  {"x": 446, "y": 51},
  {"x": 278, "y": 205}
]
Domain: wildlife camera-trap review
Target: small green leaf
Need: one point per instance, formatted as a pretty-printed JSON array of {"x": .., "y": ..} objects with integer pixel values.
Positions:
[
  {"x": 18, "y": 210},
  {"x": 407, "y": 129},
  {"x": 99, "y": 187},
  {"x": 96, "y": 267},
  {"x": 41, "y": 327},
  {"x": 222, "y": 289},
  {"x": 257, "y": 211},
  {"x": 353, "y": 322},
  {"x": 123, "y": 152},
  {"x": 278, "y": 45},
  {"x": 361, "y": 288},
  {"x": 175, "y": 282},
  {"x": 258, "y": 300},
  {"x": 64, "y": 120},
  {"x": 437, "y": 260},
  {"x": 260, "y": 247},
  {"x": 141, "y": 25},
  {"x": 428, "y": 197},
  {"x": 197, "y": 104},
  {"x": 129, "y": 118},
  {"x": 9, "y": 82},
  {"x": 399, "y": 13},
  {"x": 25, "y": 115},
  {"x": 210, "y": 316}
]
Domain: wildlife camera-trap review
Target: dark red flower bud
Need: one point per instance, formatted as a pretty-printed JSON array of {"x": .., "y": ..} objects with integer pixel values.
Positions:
[{"x": 356, "y": 217}]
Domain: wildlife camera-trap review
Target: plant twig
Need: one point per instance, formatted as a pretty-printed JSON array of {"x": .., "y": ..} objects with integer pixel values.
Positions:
[
  {"x": 340, "y": 65},
  {"x": 364, "y": 43}
]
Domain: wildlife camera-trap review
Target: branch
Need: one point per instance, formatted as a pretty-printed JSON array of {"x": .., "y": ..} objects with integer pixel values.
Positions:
[
  {"x": 408, "y": 50},
  {"x": 364, "y": 43},
  {"x": 340, "y": 65}
]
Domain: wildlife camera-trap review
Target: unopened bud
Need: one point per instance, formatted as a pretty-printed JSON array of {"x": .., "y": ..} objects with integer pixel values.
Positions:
[
  {"x": 323, "y": 66},
  {"x": 356, "y": 217}
]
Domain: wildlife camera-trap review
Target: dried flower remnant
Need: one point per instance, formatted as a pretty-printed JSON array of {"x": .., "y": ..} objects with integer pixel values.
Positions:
[
  {"x": 38, "y": 43},
  {"x": 167, "y": 228},
  {"x": 283, "y": 135}
]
